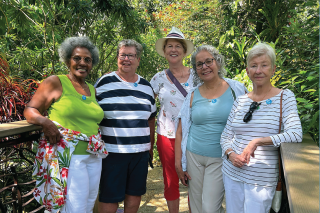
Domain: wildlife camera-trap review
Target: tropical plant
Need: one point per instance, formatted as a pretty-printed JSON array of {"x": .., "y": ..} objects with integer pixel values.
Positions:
[{"x": 14, "y": 94}]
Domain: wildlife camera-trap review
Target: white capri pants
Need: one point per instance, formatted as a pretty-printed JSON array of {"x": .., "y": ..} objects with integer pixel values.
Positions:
[
  {"x": 206, "y": 189},
  {"x": 83, "y": 183},
  {"x": 246, "y": 198}
]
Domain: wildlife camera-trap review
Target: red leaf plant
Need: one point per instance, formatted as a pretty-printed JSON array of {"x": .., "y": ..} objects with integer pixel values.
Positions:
[{"x": 15, "y": 93}]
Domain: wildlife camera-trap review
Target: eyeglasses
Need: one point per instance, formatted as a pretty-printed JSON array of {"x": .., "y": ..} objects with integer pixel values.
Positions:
[
  {"x": 77, "y": 59},
  {"x": 130, "y": 56},
  {"x": 208, "y": 62},
  {"x": 248, "y": 115}
]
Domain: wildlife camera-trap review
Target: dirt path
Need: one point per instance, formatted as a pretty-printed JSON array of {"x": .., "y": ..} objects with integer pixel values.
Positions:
[{"x": 153, "y": 201}]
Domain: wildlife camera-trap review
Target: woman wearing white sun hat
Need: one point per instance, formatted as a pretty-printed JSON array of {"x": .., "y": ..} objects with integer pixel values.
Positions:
[{"x": 171, "y": 86}]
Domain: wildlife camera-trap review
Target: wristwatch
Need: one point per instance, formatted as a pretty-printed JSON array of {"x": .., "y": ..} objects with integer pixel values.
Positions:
[{"x": 229, "y": 153}]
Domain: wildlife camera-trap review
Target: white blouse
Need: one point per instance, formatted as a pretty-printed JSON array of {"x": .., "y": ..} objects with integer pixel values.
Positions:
[
  {"x": 262, "y": 169},
  {"x": 171, "y": 101}
]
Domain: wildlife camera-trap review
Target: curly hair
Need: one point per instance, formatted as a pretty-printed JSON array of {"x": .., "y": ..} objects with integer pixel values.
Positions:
[
  {"x": 130, "y": 43},
  {"x": 68, "y": 45},
  {"x": 215, "y": 54}
]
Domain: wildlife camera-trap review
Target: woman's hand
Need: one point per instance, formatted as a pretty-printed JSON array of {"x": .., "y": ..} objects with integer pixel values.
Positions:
[
  {"x": 237, "y": 160},
  {"x": 252, "y": 146},
  {"x": 183, "y": 176},
  {"x": 249, "y": 150},
  {"x": 50, "y": 131}
]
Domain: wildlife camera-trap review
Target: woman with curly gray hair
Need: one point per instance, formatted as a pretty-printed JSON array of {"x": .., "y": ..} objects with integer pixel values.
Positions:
[
  {"x": 202, "y": 119},
  {"x": 69, "y": 155}
]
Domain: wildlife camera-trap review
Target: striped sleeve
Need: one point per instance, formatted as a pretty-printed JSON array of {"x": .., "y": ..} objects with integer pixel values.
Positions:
[
  {"x": 228, "y": 133},
  {"x": 292, "y": 130}
]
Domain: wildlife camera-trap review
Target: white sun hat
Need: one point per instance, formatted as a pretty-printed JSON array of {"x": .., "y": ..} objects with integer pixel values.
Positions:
[{"x": 175, "y": 33}]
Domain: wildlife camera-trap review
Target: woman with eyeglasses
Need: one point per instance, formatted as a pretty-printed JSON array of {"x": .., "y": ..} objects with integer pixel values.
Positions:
[
  {"x": 201, "y": 121},
  {"x": 68, "y": 163},
  {"x": 251, "y": 137},
  {"x": 128, "y": 128}
]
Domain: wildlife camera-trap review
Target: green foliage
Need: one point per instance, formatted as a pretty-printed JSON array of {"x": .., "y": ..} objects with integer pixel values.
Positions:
[{"x": 31, "y": 31}]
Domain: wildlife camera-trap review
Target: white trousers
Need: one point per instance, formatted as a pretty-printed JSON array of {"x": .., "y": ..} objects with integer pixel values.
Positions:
[
  {"x": 83, "y": 183},
  {"x": 246, "y": 198},
  {"x": 206, "y": 185}
]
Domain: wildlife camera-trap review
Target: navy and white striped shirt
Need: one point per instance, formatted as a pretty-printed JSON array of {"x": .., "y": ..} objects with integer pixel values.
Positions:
[{"x": 127, "y": 107}]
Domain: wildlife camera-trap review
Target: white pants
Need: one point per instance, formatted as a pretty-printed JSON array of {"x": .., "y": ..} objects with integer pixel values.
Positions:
[
  {"x": 206, "y": 185},
  {"x": 246, "y": 198},
  {"x": 83, "y": 183}
]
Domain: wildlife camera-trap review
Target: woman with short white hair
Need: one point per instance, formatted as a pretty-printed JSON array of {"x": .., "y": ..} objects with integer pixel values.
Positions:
[{"x": 251, "y": 137}]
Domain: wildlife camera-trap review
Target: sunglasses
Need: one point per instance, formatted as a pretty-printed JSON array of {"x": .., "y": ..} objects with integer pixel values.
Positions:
[
  {"x": 248, "y": 115},
  {"x": 77, "y": 59}
]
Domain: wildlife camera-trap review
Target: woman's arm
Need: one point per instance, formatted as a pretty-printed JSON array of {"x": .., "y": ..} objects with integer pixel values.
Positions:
[
  {"x": 226, "y": 140},
  {"x": 183, "y": 176},
  {"x": 151, "y": 122},
  {"x": 48, "y": 91},
  {"x": 291, "y": 123},
  {"x": 228, "y": 134}
]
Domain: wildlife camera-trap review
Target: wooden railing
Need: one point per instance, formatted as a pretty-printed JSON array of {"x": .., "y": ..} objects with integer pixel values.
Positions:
[
  {"x": 301, "y": 172},
  {"x": 300, "y": 166},
  {"x": 16, "y": 163}
]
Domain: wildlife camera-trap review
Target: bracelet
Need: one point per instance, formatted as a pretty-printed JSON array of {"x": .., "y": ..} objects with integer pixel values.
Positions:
[{"x": 229, "y": 153}]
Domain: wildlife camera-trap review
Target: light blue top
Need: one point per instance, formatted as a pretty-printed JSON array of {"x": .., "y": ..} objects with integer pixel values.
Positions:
[{"x": 209, "y": 117}]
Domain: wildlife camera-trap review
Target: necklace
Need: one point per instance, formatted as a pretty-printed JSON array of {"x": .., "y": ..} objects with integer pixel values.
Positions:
[
  {"x": 269, "y": 101},
  {"x": 132, "y": 81},
  {"x": 83, "y": 96},
  {"x": 181, "y": 76},
  {"x": 214, "y": 100},
  {"x": 264, "y": 95}
]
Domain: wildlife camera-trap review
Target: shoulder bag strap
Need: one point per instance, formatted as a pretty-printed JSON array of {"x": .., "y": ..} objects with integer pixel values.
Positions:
[
  {"x": 279, "y": 185},
  {"x": 176, "y": 83}
]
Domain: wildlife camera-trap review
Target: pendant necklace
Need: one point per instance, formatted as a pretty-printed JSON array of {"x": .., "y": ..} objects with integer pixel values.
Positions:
[
  {"x": 269, "y": 101},
  {"x": 135, "y": 84},
  {"x": 83, "y": 96},
  {"x": 215, "y": 100}
]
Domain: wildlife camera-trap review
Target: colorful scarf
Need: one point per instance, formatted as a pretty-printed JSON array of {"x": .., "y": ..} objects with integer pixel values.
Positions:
[{"x": 52, "y": 163}]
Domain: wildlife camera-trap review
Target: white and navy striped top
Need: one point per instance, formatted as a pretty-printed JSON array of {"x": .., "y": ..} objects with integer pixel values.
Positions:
[
  {"x": 127, "y": 108},
  {"x": 262, "y": 170}
]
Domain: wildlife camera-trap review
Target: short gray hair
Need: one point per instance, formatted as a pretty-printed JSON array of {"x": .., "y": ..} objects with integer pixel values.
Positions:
[
  {"x": 130, "y": 43},
  {"x": 215, "y": 54},
  {"x": 69, "y": 44},
  {"x": 260, "y": 49}
]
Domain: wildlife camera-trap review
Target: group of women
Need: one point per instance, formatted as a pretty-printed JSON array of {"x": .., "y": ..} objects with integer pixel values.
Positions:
[{"x": 212, "y": 134}]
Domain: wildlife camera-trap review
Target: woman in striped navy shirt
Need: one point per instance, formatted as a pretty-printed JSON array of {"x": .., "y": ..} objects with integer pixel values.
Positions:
[{"x": 250, "y": 139}]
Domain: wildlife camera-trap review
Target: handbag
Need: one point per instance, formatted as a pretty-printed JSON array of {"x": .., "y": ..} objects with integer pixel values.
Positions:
[
  {"x": 176, "y": 83},
  {"x": 276, "y": 202}
]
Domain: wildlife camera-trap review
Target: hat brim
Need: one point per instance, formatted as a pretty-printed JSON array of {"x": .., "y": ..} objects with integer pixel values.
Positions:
[{"x": 160, "y": 43}]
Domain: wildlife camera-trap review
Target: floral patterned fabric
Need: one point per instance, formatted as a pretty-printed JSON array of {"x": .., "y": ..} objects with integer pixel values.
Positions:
[
  {"x": 52, "y": 162},
  {"x": 171, "y": 101}
]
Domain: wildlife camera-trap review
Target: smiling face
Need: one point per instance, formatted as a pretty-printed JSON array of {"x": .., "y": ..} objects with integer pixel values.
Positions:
[
  {"x": 126, "y": 65},
  {"x": 260, "y": 70},
  {"x": 80, "y": 68},
  {"x": 174, "y": 51},
  {"x": 207, "y": 73}
]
